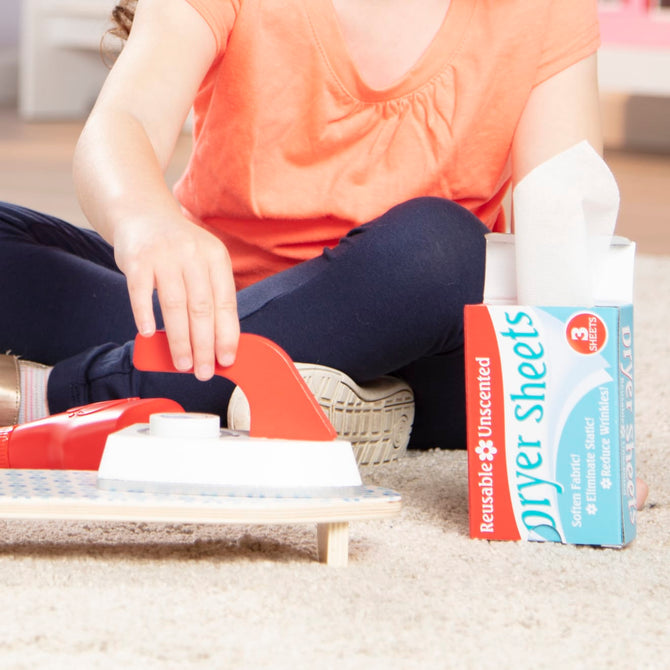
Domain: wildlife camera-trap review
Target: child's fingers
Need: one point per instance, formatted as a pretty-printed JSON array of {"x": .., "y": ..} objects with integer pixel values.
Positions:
[
  {"x": 200, "y": 309},
  {"x": 173, "y": 301},
  {"x": 140, "y": 290},
  {"x": 226, "y": 320}
]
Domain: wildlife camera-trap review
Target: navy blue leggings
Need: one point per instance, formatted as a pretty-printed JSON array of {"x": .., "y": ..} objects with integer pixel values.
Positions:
[{"x": 388, "y": 299}]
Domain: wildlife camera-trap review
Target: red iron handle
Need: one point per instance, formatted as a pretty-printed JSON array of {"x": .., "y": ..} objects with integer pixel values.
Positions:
[{"x": 281, "y": 404}]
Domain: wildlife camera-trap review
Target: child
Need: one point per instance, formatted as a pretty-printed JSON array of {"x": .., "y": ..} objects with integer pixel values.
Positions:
[{"x": 349, "y": 156}]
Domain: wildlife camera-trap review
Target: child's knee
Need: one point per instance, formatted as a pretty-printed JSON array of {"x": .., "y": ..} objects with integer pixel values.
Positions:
[
  {"x": 436, "y": 243},
  {"x": 441, "y": 221}
]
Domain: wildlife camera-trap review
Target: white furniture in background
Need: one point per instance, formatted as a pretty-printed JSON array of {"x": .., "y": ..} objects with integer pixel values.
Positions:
[
  {"x": 634, "y": 70},
  {"x": 61, "y": 67},
  {"x": 635, "y": 56}
]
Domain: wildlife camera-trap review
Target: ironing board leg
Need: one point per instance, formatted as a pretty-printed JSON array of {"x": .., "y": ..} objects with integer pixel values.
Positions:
[{"x": 333, "y": 543}]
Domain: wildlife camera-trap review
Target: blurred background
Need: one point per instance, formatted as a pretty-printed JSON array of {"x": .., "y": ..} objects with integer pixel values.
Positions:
[{"x": 51, "y": 69}]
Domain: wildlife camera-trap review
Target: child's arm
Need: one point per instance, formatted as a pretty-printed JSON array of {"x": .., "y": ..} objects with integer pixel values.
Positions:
[
  {"x": 560, "y": 112},
  {"x": 118, "y": 167}
]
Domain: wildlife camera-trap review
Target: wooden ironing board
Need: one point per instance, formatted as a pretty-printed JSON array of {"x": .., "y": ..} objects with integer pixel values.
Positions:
[{"x": 74, "y": 495}]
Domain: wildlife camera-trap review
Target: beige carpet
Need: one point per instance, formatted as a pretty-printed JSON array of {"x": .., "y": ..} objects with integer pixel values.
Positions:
[{"x": 418, "y": 593}]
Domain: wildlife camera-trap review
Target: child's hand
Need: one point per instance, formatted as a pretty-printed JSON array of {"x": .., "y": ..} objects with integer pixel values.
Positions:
[{"x": 192, "y": 272}]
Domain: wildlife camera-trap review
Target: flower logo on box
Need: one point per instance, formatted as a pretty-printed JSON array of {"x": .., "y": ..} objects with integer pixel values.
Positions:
[
  {"x": 586, "y": 333},
  {"x": 485, "y": 450}
]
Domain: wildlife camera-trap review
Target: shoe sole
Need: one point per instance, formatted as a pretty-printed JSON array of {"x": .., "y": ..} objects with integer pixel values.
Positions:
[{"x": 376, "y": 419}]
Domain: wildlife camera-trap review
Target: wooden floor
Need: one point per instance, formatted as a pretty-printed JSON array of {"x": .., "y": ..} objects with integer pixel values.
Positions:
[{"x": 35, "y": 172}]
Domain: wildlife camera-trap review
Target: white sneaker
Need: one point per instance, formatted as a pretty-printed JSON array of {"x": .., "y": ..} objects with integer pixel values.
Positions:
[{"x": 376, "y": 418}]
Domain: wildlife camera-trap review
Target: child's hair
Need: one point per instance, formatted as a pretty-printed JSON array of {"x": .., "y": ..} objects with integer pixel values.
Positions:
[
  {"x": 112, "y": 40},
  {"x": 122, "y": 18}
]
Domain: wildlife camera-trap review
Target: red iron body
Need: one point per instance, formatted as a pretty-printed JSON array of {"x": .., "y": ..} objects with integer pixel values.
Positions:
[{"x": 74, "y": 440}]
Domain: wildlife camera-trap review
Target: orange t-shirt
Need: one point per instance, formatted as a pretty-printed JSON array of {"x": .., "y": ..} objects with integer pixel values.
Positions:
[{"x": 292, "y": 149}]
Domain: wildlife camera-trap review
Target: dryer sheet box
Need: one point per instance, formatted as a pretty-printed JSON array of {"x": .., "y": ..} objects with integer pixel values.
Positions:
[{"x": 550, "y": 410}]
